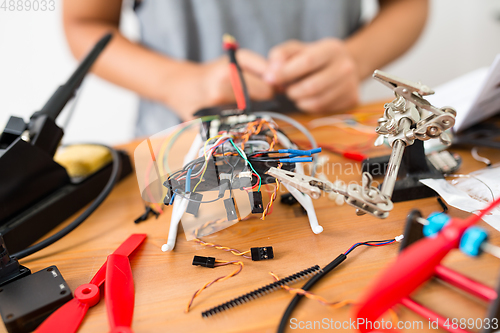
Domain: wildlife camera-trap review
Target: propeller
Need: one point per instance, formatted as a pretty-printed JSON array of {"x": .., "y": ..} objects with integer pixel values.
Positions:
[
  {"x": 119, "y": 293},
  {"x": 69, "y": 316}
]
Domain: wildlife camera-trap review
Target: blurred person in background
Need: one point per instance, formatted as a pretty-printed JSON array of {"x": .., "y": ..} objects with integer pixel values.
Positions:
[{"x": 316, "y": 52}]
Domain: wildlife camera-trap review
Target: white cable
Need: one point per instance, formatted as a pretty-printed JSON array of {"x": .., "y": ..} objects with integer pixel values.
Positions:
[{"x": 478, "y": 158}]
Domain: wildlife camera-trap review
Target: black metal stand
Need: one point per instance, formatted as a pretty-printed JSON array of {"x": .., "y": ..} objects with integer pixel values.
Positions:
[{"x": 414, "y": 167}]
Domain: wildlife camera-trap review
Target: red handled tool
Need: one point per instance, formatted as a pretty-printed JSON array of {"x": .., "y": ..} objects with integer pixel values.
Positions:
[
  {"x": 119, "y": 294},
  {"x": 413, "y": 267}
]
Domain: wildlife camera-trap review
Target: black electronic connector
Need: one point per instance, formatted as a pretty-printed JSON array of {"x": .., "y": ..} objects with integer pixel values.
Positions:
[
  {"x": 262, "y": 253},
  {"x": 204, "y": 261},
  {"x": 10, "y": 269},
  {"x": 288, "y": 199},
  {"x": 256, "y": 202}
]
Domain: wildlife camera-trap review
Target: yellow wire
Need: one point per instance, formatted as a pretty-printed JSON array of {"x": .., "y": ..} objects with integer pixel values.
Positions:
[
  {"x": 220, "y": 247},
  {"x": 205, "y": 155},
  {"x": 221, "y": 279}
]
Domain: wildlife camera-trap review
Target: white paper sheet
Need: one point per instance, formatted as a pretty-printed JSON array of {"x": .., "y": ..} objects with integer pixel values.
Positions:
[
  {"x": 459, "y": 199},
  {"x": 475, "y": 95}
]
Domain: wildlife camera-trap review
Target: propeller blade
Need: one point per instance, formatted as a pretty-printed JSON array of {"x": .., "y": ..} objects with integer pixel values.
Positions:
[
  {"x": 125, "y": 249},
  {"x": 66, "y": 319},
  {"x": 119, "y": 293},
  {"x": 413, "y": 267}
]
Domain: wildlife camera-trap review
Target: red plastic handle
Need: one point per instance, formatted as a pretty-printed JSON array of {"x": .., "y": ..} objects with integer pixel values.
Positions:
[{"x": 414, "y": 266}]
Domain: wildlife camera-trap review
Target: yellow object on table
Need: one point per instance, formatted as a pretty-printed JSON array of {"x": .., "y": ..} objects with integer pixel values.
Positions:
[{"x": 82, "y": 160}]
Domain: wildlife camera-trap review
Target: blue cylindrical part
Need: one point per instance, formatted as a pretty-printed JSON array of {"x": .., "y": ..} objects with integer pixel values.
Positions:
[
  {"x": 188, "y": 180},
  {"x": 315, "y": 151},
  {"x": 296, "y": 160},
  {"x": 472, "y": 240},
  {"x": 299, "y": 152},
  {"x": 172, "y": 199},
  {"x": 437, "y": 221}
]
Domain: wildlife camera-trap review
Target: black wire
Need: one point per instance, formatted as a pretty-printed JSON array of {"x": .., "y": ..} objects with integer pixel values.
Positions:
[
  {"x": 368, "y": 244},
  {"x": 113, "y": 178},
  {"x": 315, "y": 279}
]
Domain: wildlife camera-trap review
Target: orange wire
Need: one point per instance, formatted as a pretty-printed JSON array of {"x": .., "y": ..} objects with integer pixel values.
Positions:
[{"x": 219, "y": 279}]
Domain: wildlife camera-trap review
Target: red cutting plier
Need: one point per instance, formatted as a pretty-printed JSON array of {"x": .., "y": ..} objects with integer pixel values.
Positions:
[
  {"x": 414, "y": 266},
  {"x": 119, "y": 294}
]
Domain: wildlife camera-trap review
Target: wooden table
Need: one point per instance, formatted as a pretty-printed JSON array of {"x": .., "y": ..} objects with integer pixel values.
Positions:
[{"x": 164, "y": 282}]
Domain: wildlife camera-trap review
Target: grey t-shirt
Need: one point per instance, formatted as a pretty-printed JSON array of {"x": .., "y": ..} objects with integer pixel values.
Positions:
[{"x": 193, "y": 29}]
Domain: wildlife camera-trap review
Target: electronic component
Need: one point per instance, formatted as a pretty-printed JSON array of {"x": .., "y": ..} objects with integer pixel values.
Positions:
[
  {"x": 267, "y": 289},
  {"x": 194, "y": 204},
  {"x": 144, "y": 216},
  {"x": 204, "y": 261},
  {"x": 262, "y": 253},
  {"x": 256, "y": 202},
  {"x": 445, "y": 161},
  {"x": 288, "y": 199},
  {"x": 225, "y": 183},
  {"x": 230, "y": 209},
  {"x": 10, "y": 269},
  {"x": 26, "y": 302}
]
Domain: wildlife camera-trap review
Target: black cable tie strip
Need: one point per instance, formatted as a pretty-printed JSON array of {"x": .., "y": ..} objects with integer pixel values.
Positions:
[{"x": 267, "y": 289}]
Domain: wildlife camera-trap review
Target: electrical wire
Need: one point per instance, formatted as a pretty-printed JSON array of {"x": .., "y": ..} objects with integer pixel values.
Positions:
[
  {"x": 479, "y": 158},
  {"x": 298, "y": 126},
  {"x": 113, "y": 179},
  {"x": 236, "y": 75},
  {"x": 370, "y": 243},
  {"x": 316, "y": 278},
  {"x": 223, "y": 248},
  {"x": 273, "y": 197},
  {"x": 219, "y": 279},
  {"x": 193, "y": 200},
  {"x": 242, "y": 154},
  {"x": 323, "y": 301}
]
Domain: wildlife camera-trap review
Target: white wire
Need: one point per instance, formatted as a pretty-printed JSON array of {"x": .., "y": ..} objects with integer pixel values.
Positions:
[{"x": 478, "y": 158}]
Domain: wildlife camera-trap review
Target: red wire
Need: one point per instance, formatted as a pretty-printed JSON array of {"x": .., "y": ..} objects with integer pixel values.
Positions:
[{"x": 237, "y": 88}]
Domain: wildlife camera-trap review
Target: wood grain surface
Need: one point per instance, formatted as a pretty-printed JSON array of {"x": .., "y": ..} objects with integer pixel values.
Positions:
[{"x": 164, "y": 282}]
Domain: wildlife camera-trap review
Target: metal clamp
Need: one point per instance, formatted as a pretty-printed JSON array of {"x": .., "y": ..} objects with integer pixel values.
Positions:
[{"x": 366, "y": 198}]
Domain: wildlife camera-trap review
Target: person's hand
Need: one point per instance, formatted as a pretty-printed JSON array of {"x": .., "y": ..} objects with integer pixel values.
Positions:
[
  {"x": 208, "y": 84},
  {"x": 319, "y": 77}
]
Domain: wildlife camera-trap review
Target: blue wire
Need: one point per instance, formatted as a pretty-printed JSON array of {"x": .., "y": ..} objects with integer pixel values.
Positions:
[
  {"x": 368, "y": 244},
  {"x": 172, "y": 199},
  {"x": 188, "y": 180}
]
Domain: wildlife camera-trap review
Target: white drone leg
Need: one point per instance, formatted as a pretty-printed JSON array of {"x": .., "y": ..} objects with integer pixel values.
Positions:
[
  {"x": 179, "y": 208},
  {"x": 304, "y": 200},
  {"x": 180, "y": 204}
]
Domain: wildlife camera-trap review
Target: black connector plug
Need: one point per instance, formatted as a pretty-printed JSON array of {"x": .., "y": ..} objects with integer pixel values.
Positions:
[
  {"x": 262, "y": 253},
  {"x": 256, "y": 202},
  {"x": 10, "y": 269},
  {"x": 204, "y": 261}
]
